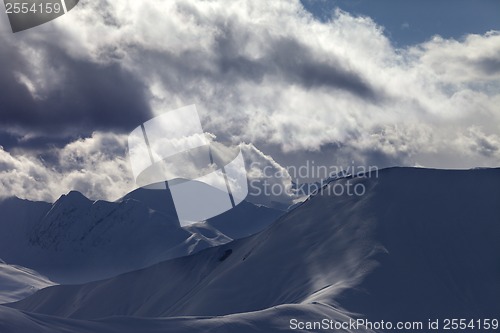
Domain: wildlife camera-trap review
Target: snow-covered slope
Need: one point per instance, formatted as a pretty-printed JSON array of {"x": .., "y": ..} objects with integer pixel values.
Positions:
[
  {"x": 273, "y": 320},
  {"x": 18, "y": 282},
  {"x": 419, "y": 244},
  {"x": 78, "y": 240}
]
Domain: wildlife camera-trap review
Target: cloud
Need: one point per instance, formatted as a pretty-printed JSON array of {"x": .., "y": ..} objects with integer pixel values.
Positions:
[
  {"x": 458, "y": 62},
  {"x": 99, "y": 167},
  {"x": 268, "y": 181},
  {"x": 264, "y": 72},
  {"x": 486, "y": 145},
  {"x": 96, "y": 166},
  {"x": 47, "y": 91}
]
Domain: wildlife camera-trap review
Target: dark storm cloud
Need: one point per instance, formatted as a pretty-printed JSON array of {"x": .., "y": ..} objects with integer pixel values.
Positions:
[
  {"x": 94, "y": 96},
  {"x": 284, "y": 59},
  {"x": 292, "y": 61},
  {"x": 485, "y": 147},
  {"x": 490, "y": 65},
  {"x": 91, "y": 97},
  {"x": 8, "y": 141},
  {"x": 288, "y": 59}
]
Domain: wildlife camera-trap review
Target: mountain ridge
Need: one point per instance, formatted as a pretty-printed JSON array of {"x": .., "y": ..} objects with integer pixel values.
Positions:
[
  {"x": 330, "y": 250},
  {"x": 76, "y": 239}
]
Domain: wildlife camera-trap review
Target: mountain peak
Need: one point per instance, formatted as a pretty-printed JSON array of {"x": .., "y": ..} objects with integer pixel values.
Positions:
[
  {"x": 76, "y": 195},
  {"x": 73, "y": 198}
]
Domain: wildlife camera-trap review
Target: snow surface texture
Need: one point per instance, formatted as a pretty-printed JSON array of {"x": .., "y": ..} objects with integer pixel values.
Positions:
[
  {"x": 18, "y": 282},
  {"x": 77, "y": 240},
  {"x": 419, "y": 244},
  {"x": 273, "y": 320}
]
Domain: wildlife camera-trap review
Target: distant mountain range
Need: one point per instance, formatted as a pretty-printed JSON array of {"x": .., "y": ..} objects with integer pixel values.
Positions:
[{"x": 77, "y": 240}]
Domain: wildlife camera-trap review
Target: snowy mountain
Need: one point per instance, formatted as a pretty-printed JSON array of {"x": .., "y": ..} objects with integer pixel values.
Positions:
[
  {"x": 78, "y": 240},
  {"x": 419, "y": 244},
  {"x": 244, "y": 220}
]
